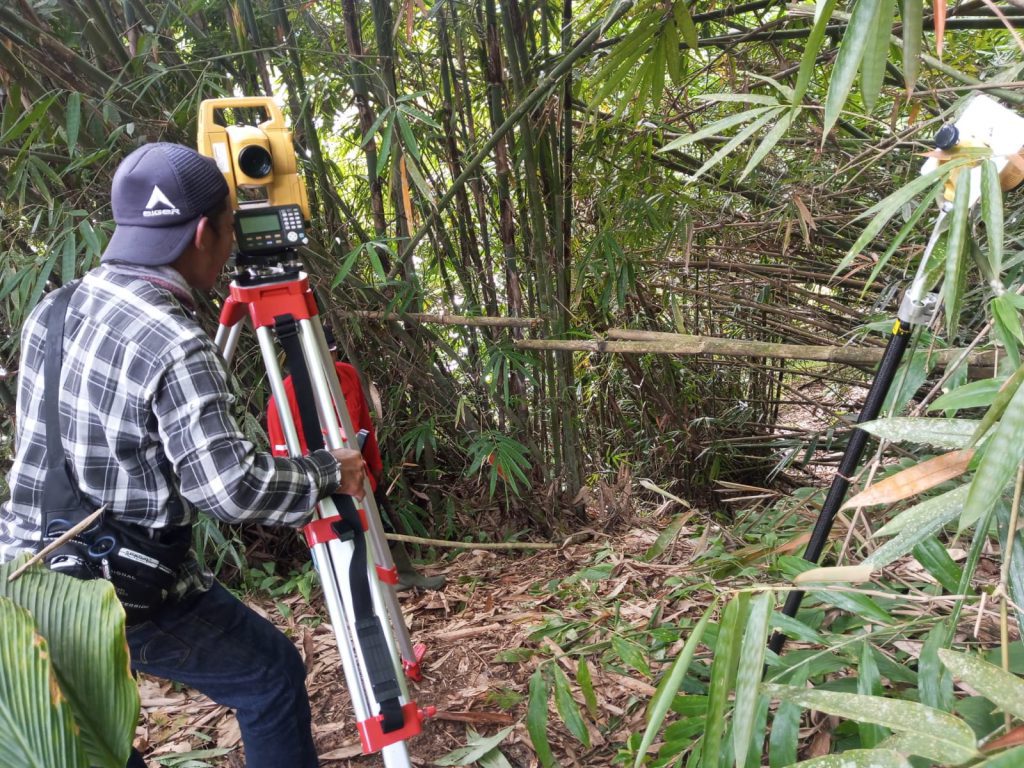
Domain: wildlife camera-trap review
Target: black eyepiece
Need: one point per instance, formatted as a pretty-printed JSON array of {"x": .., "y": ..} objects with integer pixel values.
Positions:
[{"x": 255, "y": 162}]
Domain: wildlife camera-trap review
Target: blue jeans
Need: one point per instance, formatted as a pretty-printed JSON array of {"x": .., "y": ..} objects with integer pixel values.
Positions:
[{"x": 213, "y": 643}]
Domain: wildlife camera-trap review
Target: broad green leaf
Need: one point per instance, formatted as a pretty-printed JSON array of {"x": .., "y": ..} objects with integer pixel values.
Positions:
[
  {"x": 631, "y": 654},
  {"x": 949, "y": 736},
  {"x": 477, "y": 747},
  {"x": 748, "y": 674},
  {"x": 809, "y": 58},
  {"x": 723, "y": 674},
  {"x": 876, "y": 55},
  {"x": 851, "y": 52},
  {"x": 83, "y": 624},
  {"x": 910, "y": 743},
  {"x": 943, "y": 433},
  {"x": 992, "y": 215},
  {"x": 1002, "y": 688},
  {"x": 669, "y": 686},
  {"x": 914, "y": 525},
  {"x": 1004, "y": 452},
  {"x": 37, "y": 728},
  {"x": 955, "y": 250},
  {"x": 912, "y": 34},
  {"x": 857, "y": 758},
  {"x": 568, "y": 710},
  {"x": 973, "y": 395},
  {"x": 537, "y": 716},
  {"x": 408, "y": 139}
]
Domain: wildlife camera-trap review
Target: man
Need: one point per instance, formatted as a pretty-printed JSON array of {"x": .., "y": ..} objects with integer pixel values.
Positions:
[
  {"x": 147, "y": 431},
  {"x": 359, "y": 413}
]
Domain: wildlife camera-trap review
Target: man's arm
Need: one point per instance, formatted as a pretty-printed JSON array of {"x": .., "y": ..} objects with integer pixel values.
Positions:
[{"x": 220, "y": 471}]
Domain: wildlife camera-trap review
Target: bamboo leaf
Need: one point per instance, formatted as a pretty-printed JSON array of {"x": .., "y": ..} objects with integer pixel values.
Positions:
[
  {"x": 478, "y": 747},
  {"x": 944, "y": 433},
  {"x": 999, "y": 403},
  {"x": 976, "y": 394},
  {"x": 768, "y": 142},
  {"x": 1011, "y": 758},
  {"x": 785, "y": 730},
  {"x": 934, "y": 558},
  {"x": 1004, "y": 452},
  {"x": 939, "y": 14},
  {"x": 537, "y": 716},
  {"x": 916, "y": 524},
  {"x": 684, "y": 23},
  {"x": 834, "y": 574},
  {"x": 714, "y": 129},
  {"x": 934, "y": 683},
  {"x": 74, "y": 121},
  {"x": 881, "y": 212},
  {"x": 586, "y": 684},
  {"x": 1007, "y": 316},
  {"x": 912, "y": 34},
  {"x": 756, "y": 125},
  {"x": 748, "y": 676},
  {"x": 568, "y": 710},
  {"x": 955, "y": 248},
  {"x": 992, "y": 215},
  {"x": 913, "y": 480},
  {"x": 869, "y": 683},
  {"x": 857, "y": 758},
  {"x": 823, "y": 13},
  {"x": 851, "y": 52},
  {"x": 660, "y": 703},
  {"x": 876, "y": 54},
  {"x": 723, "y": 674},
  {"x": 1002, "y": 688},
  {"x": 950, "y": 736},
  {"x": 384, "y": 155}
]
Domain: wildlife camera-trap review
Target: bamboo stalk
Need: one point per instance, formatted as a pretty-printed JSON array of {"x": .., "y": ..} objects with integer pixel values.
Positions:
[
  {"x": 680, "y": 344},
  {"x": 446, "y": 319}
]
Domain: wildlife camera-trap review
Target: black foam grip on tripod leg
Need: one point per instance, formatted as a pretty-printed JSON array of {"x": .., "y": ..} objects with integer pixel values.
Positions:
[
  {"x": 369, "y": 630},
  {"x": 288, "y": 334}
]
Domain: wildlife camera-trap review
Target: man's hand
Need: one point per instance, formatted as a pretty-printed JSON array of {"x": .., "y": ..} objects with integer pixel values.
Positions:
[{"x": 353, "y": 471}]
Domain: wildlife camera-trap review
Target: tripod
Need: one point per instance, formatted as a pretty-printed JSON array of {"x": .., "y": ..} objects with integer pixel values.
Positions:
[{"x": 347, "y": 544}]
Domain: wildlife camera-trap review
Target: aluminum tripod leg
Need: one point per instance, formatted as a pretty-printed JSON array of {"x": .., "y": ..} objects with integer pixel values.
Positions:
[{"x": 333, "y": 552}]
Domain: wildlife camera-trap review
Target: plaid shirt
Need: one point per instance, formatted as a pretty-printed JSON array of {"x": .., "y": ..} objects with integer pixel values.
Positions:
[{"x": 145, "y": 416}]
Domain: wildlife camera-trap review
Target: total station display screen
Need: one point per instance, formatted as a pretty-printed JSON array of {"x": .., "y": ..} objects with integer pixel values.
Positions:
[{"x": 267, "y": 222}]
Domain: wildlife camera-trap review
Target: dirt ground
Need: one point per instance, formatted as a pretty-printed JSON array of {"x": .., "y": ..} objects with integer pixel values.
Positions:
[{"x": 492, "y": 603}]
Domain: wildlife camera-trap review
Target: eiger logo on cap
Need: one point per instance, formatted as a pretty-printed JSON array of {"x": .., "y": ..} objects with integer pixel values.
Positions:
[{"x": 159, "y": 198}]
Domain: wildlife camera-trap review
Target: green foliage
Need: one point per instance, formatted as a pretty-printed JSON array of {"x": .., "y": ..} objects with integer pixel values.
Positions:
[{"x": 66, "y": 695}]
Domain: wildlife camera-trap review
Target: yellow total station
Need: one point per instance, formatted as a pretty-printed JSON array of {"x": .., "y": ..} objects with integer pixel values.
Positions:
[{"x": 258, "y": 161}]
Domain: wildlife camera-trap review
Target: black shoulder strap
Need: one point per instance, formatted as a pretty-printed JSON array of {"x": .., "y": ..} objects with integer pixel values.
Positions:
[
  {"x": 62, "y": 501},
  {"x": 51, "y": 373}
]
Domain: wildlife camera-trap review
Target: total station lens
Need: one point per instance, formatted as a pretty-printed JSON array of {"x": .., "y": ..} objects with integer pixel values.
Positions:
[{"x": 255, "y": 162}]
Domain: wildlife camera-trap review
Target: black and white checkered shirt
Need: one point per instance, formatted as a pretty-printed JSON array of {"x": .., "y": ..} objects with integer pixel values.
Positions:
[{"x": 145, "y": 416}]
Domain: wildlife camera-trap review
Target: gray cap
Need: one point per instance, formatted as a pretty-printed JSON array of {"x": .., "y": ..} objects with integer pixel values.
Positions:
[{"x": 158, "y": 194}]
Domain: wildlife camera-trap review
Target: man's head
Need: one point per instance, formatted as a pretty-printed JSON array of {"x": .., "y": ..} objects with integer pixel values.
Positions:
[{"x": 169, "y": 200}]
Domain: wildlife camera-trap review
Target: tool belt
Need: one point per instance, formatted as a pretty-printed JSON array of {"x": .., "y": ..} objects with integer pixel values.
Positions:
[{"x": 141, "y": 562}]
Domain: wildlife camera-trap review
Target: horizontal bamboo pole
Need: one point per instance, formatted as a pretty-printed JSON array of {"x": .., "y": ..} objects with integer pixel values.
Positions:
[
  {"x": 646, "y": 342},
  {"x": 478, "y": 320}
]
